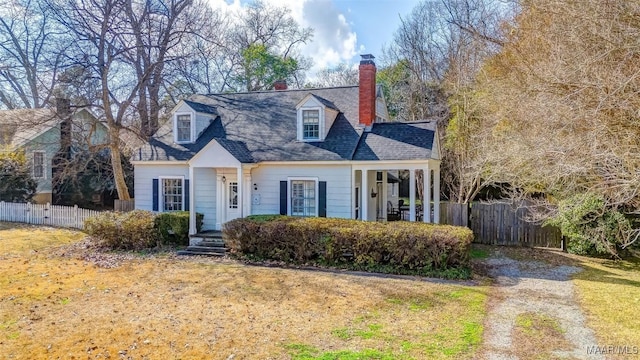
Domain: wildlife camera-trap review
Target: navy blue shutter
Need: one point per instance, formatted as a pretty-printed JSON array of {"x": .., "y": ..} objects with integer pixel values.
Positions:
[
  {"x": 283, "y": 198},
  {"x": 156, "y": 194},
  {"x": 322, "y": 203},
  {"x": 186, "y": 195}
]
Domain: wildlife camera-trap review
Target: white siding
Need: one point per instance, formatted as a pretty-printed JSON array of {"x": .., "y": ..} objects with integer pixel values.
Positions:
[
  {"x": 143, "y": 183},
  {"x": 267, "y": 179},
  {"x": 204, "y": 183}
]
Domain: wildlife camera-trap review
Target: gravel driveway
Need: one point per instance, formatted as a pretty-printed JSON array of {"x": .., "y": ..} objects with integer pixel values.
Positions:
[{"x": 525, "y": 286}]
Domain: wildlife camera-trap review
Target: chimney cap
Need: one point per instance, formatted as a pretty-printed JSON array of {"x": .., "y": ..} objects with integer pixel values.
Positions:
[{"x": 367, "y": 59}]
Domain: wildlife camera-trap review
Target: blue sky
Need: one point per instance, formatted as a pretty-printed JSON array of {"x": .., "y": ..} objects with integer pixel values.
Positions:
[{"x": 344, "y": 29}]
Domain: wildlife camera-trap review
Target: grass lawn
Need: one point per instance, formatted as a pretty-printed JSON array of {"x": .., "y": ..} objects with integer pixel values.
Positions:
[
  {"x": 163, "y": 307},
  {"x": 609, "y": 292}
]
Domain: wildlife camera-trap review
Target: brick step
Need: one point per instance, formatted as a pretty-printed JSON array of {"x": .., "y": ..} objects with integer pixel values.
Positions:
[
  {"x": 189, "y": 253},
  {"x": 210, "y": 249},
  {"x": 208, "y": 243},
  {"x": 208, "y": 235}
]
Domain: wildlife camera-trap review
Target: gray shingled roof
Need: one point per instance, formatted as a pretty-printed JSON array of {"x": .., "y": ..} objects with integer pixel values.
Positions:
[
  {"x": 261, "y": 126},
  {"x": 397, "y": 141},
  {"x": 17, "y": 127},
  {"x": 326, "y": 102}
]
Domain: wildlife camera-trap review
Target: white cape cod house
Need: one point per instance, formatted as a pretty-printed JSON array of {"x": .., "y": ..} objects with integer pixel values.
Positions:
[{"x": 310, "y": 152}]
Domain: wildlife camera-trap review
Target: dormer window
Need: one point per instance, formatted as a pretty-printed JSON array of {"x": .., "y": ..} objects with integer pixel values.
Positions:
[
  {"x": 310, "y": 124},
  {"x": 315, "y": 117},
  {"x": 183, "y": 129}
]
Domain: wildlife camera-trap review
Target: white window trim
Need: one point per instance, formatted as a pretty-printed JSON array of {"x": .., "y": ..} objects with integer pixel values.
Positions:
[
  {"x": 44, "y": 164},
  {"x": 161, "y": 191},
  {"x": 303, "y": 178},
  {"x": 192, "y": 124},
  {"x": 321, "y": 123}
]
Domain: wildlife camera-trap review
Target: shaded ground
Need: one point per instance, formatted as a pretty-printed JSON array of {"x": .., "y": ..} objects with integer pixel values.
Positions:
[{"x": 533, "y": 313}]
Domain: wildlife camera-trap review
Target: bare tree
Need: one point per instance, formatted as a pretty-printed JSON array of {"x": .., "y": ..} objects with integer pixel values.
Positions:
[
  {"x": 157, "y": 29},
  {"x": 244, "y": 51},
  {"x": 31, "y": 54},
  {"x": 340, "y": 75},
  {"x": 268, "y": 38},
  {"x": 126, "y": 45},
  {"x": 562, "y": 100},
  {"x": 433, "y": 64}
]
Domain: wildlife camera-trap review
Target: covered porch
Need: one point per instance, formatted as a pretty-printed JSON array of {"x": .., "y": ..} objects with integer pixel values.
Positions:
[
  {"x": 220, "y": 187},
  {"x": 374, "y": 200}
]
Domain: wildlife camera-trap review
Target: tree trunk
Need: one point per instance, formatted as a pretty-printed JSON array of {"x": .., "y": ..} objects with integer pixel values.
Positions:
[{"x": 116, "y": 163}]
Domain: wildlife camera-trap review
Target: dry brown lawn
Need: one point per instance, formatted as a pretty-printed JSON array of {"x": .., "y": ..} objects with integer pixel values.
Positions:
[
  {"x": 609, "y": 292},
  {"x": 163, "y": 307}
]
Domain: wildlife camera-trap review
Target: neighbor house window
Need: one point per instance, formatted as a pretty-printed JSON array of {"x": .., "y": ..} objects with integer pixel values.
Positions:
[
  {"x": 38, "y": 164},
  {"x": 183, "y": 128},
  {"x": 303, "y": 198},
  {"x": 233, "y": 195},
  {"x": 172, "y": 194},
  {"x": 310, "y": 124}
]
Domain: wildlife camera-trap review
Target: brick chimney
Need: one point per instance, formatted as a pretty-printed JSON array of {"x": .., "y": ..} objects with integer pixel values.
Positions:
[
  {"x": 280, "y": 85},
  {"x": 367, "y": 90},
  {"x": 63, "y": 111}
]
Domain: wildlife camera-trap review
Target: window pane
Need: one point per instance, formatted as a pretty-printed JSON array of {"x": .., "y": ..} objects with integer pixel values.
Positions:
[
  {"x": 184, "y": 127},
  {"x": 233, "y": 195},
  {"x": 172, "y": 194},
  {"x": 303, "y": 198},
  {"x": 38, "y": 165},
  {"x": 310, "y": 124}
]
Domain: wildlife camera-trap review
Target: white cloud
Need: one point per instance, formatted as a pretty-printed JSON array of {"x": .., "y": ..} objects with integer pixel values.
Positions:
[{"x": 334, "y": 41}]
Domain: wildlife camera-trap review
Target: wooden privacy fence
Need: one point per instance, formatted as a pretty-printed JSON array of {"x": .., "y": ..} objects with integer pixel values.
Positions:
[
  {"x": 45, "y": 214},
  {"x": 500, "y": 224},
  {"x": 454, "y": 214},
  {"x": 124, "y": 205}
]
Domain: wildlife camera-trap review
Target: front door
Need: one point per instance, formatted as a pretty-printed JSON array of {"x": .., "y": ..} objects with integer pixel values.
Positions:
[{"x": 231, "y": 200}]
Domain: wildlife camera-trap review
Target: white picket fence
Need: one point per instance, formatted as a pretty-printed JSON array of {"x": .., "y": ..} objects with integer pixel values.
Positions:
[{"x": 45, "y": 214}]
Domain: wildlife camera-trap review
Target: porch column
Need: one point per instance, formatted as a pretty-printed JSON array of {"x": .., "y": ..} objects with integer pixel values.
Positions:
[
  {"x": 240, "y": 191},
  {"x": 220, "y": 206},
  {"x": 412, "y": 195},
  {"x": 436, "y": 195},
  {"x": 248, "y": 190},
  {"x": 192, "y": 202},
  {"x": 353, "y": 195},
  {"x": 364, "y": 195},
  {"x": 385, "y": 197},
  {"x": 426, "y": 204}
]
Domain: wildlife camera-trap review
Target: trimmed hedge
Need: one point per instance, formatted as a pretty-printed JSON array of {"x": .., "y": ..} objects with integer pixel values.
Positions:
[
  {"x": 140, "y": 229},
  {"x": 394, "y": 247},
  {"x": 173, "y": 227},
  {"x": 134, "y": 230}
]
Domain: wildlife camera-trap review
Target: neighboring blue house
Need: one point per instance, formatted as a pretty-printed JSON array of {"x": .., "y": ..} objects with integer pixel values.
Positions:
[{"x": 39, "y": 133}]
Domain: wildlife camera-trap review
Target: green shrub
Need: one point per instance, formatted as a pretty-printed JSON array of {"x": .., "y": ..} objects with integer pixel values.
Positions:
[
  {"x": 590, "y": 226},
  {"x": 395, "y": 247},
  {"x": 173, "y": 227},
  {"x": 134, "y": 230}
]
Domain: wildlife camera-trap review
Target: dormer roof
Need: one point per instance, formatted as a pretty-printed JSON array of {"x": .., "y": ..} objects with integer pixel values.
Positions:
[{"x": 201, "y": 108}]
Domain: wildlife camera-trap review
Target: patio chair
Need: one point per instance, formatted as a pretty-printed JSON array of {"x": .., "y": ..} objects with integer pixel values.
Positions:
[{"x": 393, "y": 214}]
